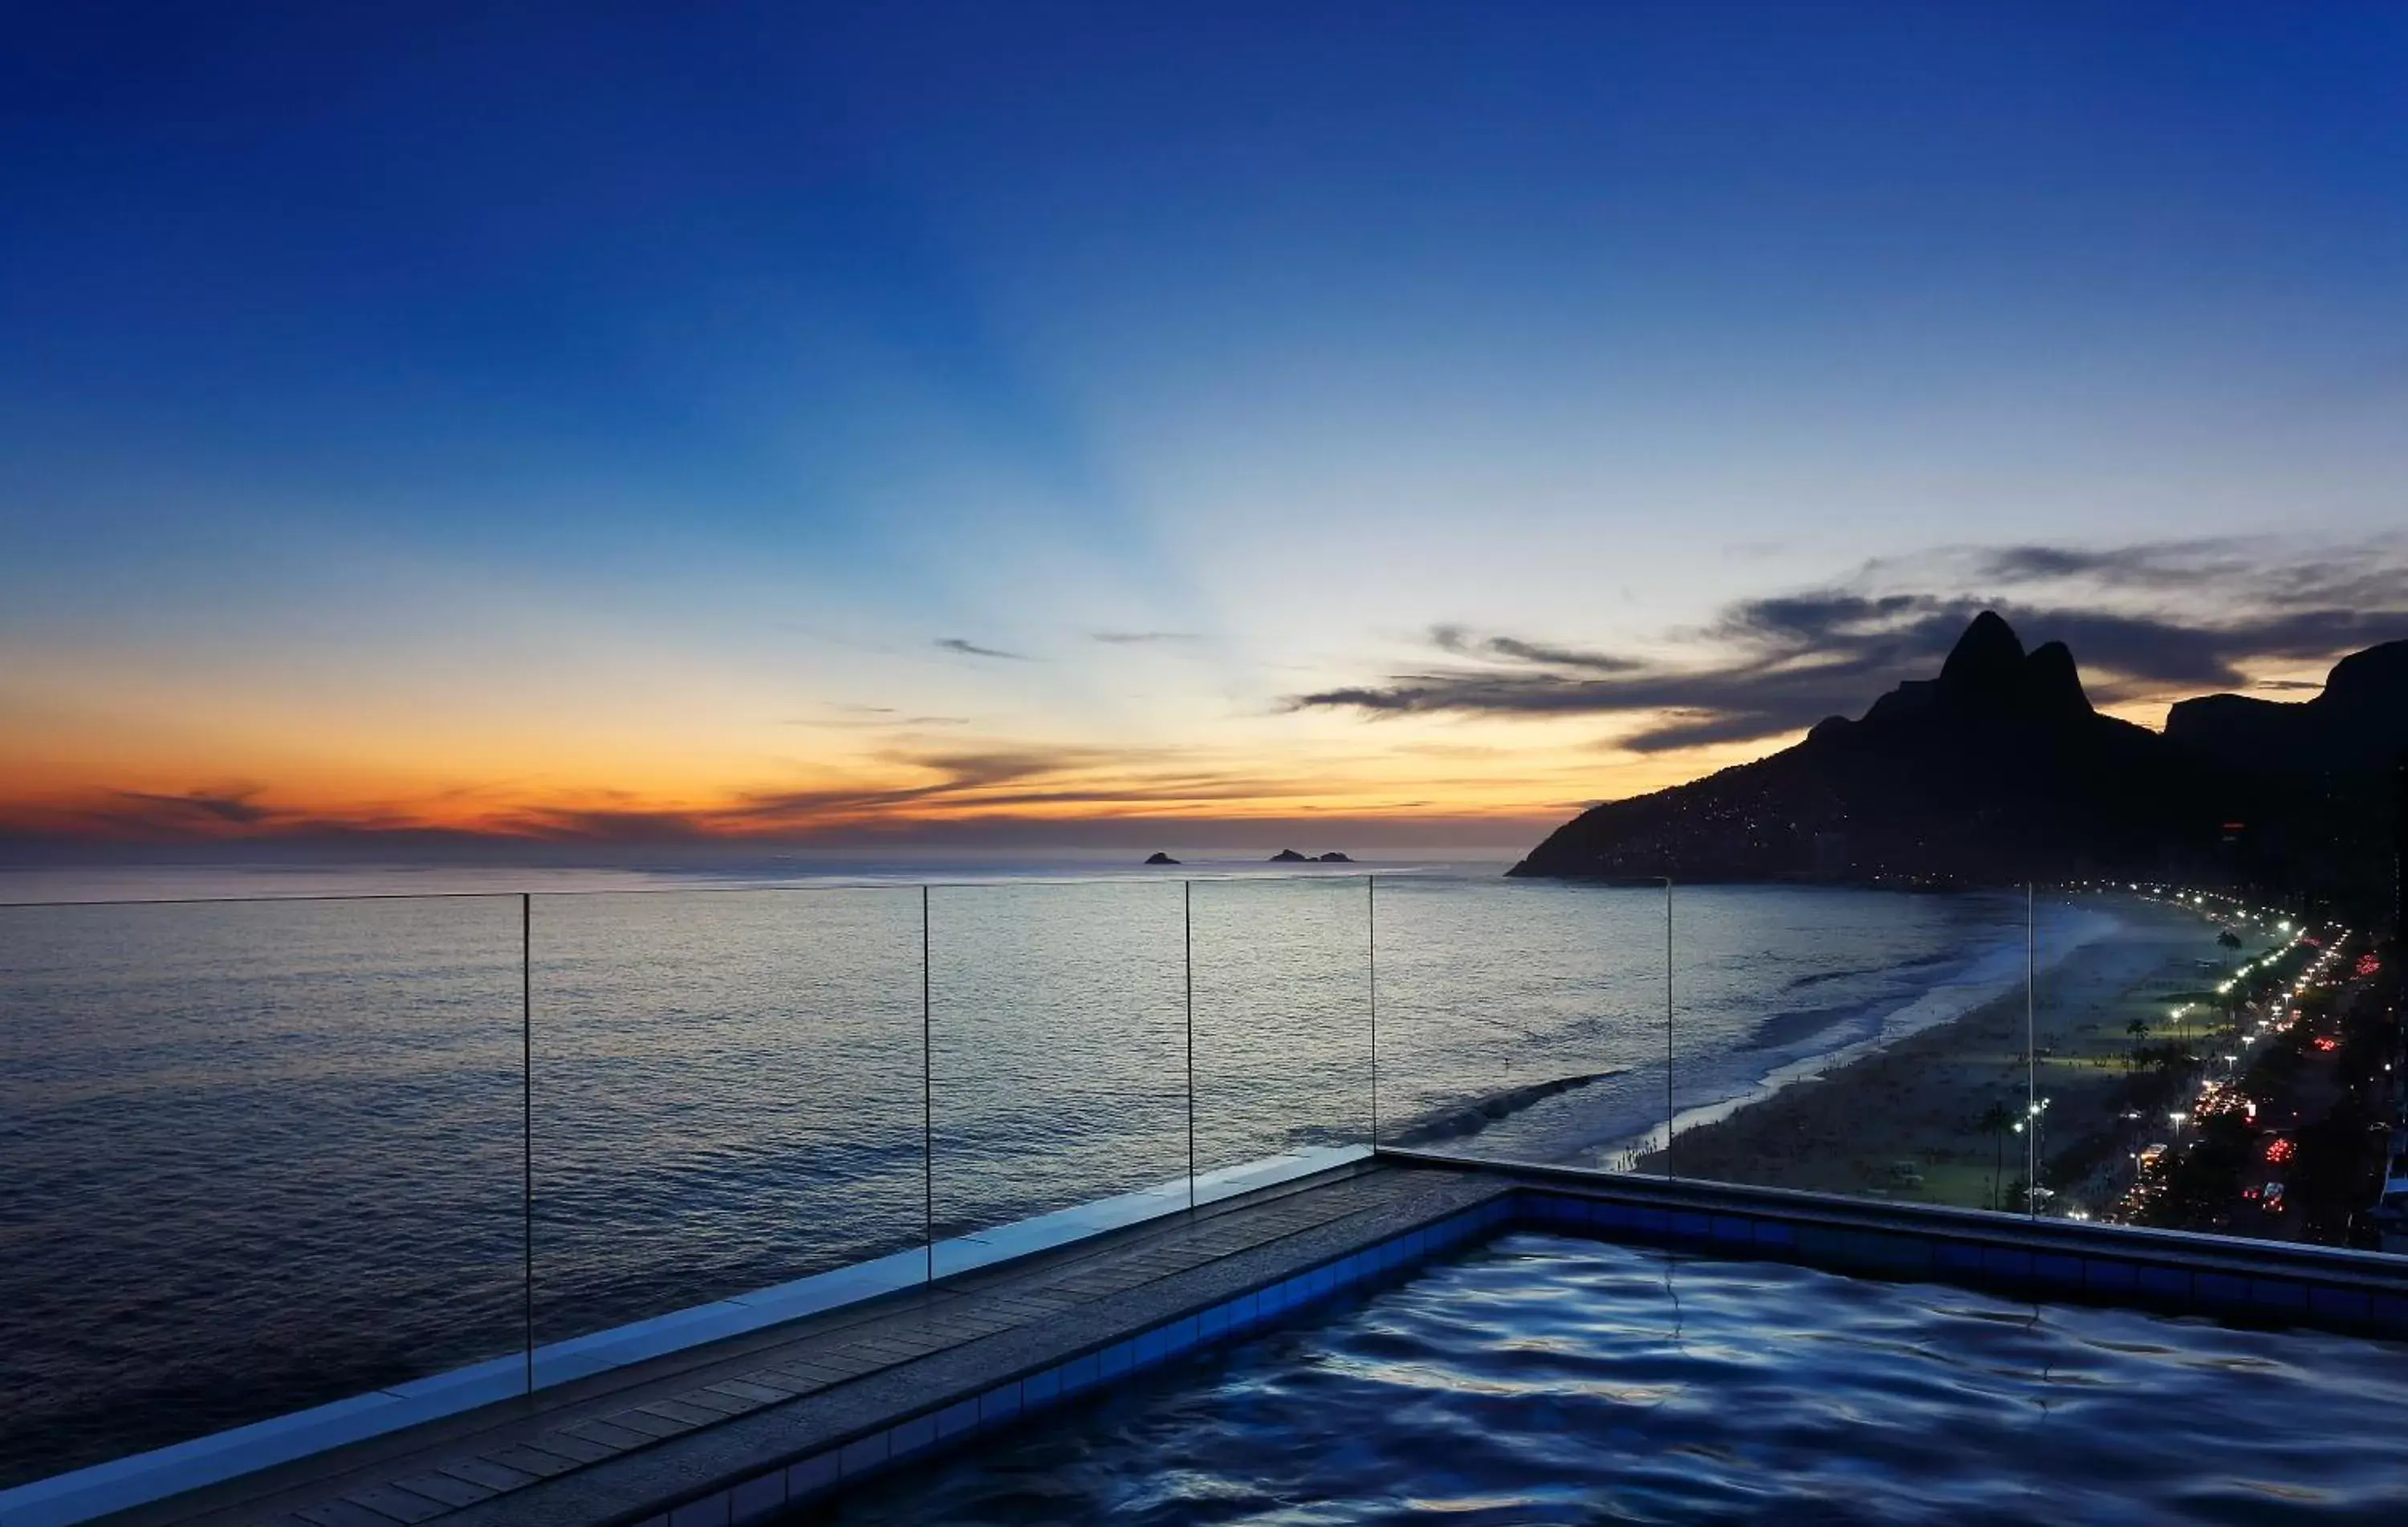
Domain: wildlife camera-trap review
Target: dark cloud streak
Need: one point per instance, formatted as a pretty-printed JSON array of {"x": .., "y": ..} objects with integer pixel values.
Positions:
[
  {"x": 1455, "y": 639},
  {"x": 235, "y": 808},
  {"x": 1785, "y": 662},
  {"x": 971, "y": 649}
]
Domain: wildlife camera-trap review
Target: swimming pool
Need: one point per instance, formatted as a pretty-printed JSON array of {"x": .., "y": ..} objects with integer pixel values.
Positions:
[{"x": 1551, "y": 1380}]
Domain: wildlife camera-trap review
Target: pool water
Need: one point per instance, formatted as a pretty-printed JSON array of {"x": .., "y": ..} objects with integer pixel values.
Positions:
[{"x": 1547, "y": 1379}]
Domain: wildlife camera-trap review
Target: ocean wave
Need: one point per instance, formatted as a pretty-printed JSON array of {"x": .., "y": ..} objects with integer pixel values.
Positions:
[
  {"x": 1798, "y": 1025},
  {"x": 1477, "y": 1115},
  {"x": 1917, "y": 962}
]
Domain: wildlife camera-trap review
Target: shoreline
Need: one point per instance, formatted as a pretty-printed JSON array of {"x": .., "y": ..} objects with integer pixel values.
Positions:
[{"x": 1901, "y": 1117}]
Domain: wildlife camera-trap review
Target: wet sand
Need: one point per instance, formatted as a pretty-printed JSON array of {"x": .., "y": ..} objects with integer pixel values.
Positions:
[{"x": 1905, "y": 1121}]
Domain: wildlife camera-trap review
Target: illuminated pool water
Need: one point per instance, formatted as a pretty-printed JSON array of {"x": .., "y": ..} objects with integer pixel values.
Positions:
[{"x": 1547, "y": 1379}]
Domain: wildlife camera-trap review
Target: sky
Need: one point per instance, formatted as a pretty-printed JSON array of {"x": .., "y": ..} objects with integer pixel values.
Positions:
[{"x": 1381, "y": 425}]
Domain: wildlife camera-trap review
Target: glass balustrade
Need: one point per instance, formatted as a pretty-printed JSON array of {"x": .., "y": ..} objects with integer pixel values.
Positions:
[
  {"x": 254, "y": 1157},
  {"x": 257, "y": 1156}
]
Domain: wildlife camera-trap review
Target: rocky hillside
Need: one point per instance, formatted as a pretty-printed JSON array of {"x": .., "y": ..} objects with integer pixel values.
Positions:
[{"x": 1999, "y": 770}]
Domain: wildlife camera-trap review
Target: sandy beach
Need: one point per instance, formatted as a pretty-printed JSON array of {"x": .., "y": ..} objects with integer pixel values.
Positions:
[{"x": 1906, "y": 1120}]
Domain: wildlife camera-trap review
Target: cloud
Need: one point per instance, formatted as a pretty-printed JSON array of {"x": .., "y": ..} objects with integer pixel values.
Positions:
[
  {"x": 1133, "y": 639},
  {"x": 2152, "y": 565},
  {"x": 197, "y": 817},
  {"x": 872, "y": 719},
  {"x": 2144, "y": 621},
  {"x": 237, "y": 808},
  {"x": 971, "y": 649},
  {"x": 1455, "y": 639},
  {"x": 218, "y": 812},
  {"x": 943, "y": 783}
]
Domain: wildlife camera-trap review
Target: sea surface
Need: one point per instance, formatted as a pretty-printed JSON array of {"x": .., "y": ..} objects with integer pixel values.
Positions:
[
  {"x": 1548, "y": 1379},
  {"x": 260, "y": 1154}
]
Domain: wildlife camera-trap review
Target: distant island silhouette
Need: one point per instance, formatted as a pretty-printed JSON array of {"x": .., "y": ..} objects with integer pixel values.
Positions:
[
  {"x": 1289, "y": 855},
  {"x": 1999, "y": 770},
  {"x": 1160, "y": 858}
]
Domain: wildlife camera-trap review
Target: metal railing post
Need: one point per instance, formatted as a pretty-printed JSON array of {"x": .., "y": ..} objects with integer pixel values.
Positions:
[
  {"x": 927, "y": 1100},
  {"x": 2031, "y": 1057},
  {"x": 527, "y": 1124},
  {"x": 1187, "y": 928},
  {"x": 1371, "y": 979}
]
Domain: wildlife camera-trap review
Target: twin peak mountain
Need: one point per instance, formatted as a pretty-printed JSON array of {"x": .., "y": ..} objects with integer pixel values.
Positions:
[{"x": 1999, "y": 770}]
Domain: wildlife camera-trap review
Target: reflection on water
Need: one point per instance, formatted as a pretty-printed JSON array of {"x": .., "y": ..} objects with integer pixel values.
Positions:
[
  {"x": 260, "y": 1155},
  {"x": 1555, "y": 1380}
]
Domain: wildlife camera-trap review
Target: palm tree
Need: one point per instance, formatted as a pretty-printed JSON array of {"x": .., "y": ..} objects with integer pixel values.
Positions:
[
  {"x": 1996, "y": 1121},
  {"x": 2139, "y": 1029}
]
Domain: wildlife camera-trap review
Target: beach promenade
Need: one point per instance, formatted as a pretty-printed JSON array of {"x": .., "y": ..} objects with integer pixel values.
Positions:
[{"x": 1907, "y": 1121}]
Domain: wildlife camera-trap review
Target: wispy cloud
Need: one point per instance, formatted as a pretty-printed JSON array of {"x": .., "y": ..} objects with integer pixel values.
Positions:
[
  {"x": 841, "y": 718},
  {"x": 971, "y": 649},
  {"x": 2137, "y": 618},
  {"x": 1463, "y": 643},
  {"x": 199, "y": 816},
  {"x": 900, "y": 786},
  {"x": 1134, "y": 638},
  {"x": 238, "y": 807},
  {"x": 998, "y": 779}
]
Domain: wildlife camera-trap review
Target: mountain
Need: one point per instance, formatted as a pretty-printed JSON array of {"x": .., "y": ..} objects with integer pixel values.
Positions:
[
  {"x": 1998, "y": 770},
  {"x": 2318, "y": 787},
  {"x": 2357, "y": 725}
]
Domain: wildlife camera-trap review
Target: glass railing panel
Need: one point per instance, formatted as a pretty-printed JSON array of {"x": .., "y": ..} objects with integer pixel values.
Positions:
[
  {"x": 1521, "y": 1020},
  {"x": 1282, "y": 1023},
  {"x": 728, "y": 1098},
  {"x": 1852, "y": 1040},
  {"x": 1059, "y": 1078},
  {"x": 254, "y": 1157}
]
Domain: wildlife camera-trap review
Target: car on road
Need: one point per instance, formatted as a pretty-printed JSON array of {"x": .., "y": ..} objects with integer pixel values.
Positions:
[{"x": 2272, "y": 1198}]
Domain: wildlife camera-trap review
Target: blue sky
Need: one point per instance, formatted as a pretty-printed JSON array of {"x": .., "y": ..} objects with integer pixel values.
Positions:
[{"x": 478, "y": 416}]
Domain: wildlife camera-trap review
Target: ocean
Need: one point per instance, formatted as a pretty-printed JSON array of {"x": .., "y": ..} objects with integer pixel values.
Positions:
[{"x": 260, "y": 1154}]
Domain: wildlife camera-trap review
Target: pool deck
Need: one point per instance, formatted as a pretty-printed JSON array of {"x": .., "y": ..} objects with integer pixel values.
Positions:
[
  {"x": 746, "y": 1429},
  {"x": 623, "y": 1445}
]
